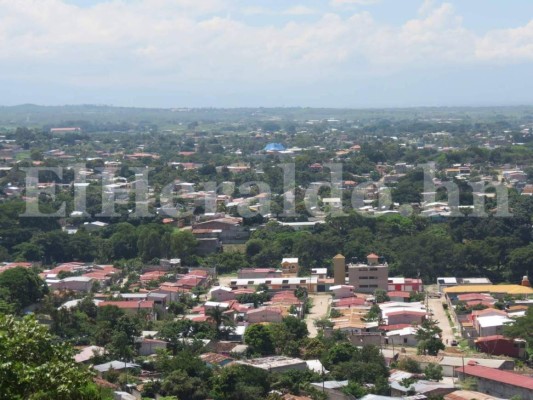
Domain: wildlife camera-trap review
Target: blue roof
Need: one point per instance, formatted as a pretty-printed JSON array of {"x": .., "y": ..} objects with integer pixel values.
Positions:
[{"x": 274, "y": 147}]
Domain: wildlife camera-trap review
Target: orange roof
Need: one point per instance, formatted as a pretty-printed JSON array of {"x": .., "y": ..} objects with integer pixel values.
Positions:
[{"x": 372, "y": 255}]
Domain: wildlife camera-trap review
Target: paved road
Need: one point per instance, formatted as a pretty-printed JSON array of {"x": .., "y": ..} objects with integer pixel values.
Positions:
[
  {"x": 435, "y": 305},
  {"x": 320, "y": 309}
]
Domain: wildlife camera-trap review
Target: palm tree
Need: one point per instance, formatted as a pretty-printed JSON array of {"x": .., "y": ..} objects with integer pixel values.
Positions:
[{"x": 216, "y": 315}]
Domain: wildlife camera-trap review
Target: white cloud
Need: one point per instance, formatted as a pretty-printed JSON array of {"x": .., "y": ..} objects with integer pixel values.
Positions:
[
  {"x": 507, "y": 45},
  {"x": 353, "y": 2},
  {"x": 176, "y": 42},
  {"x": 299, "y": 10}
]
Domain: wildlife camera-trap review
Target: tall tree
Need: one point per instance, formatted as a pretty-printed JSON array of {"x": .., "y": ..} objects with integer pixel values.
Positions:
[
  {"x": 428, "y": 336},
  {"x": 21, "y": 287},
  {"x": 35, "y": 366}
]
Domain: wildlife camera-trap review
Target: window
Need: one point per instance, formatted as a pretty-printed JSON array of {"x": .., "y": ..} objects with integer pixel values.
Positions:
[
  {"x": 250, "y": 282},
  {"x": 302, "y": 280},
  {"x": 363, "y": 277},
  {"x": 405, "y": 340},
  {"x": 373, "y": 286},
  {"x": 268, "y": 282},
  {"x": 285, "y": 281},
  {"x": 372, "y": 269},
  {"x": 285, "y": 287},
  {"x": 363, "y": 286}
]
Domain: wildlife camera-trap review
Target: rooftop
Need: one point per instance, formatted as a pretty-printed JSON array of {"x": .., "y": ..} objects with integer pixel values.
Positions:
[
  {"x": 267, "y": 363},
  {"x": 503, "y": 377},
  {"x": 505, "y": 289}
]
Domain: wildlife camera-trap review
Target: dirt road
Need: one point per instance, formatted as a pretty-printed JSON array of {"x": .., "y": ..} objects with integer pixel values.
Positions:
[
  {"x": 435, "y": 305},
  {"x": 320, "y": 309}
]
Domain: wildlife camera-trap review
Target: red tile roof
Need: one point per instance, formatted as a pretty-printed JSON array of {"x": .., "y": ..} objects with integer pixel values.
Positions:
[
  {"x": 474, "y": 296},
  {"x": 491, "y": 338},
  {"x": 496, "y": 375}
]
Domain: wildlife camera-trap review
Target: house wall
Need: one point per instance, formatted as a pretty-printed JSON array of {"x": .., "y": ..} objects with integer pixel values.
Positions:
[
  {"x": 406, "y": 340},
  {"x": 366, "y": 339},
  {"x": 264, "y": 316},
  {"x": 404, "y": 318},
  {"x": 222, "y": 295},
  {"x": 490, "y": 330},
  {"x": 503, "y": 347},
  {"x": 343, "y": 293},
  {"x": 147, "y": 348},
  {"x": 499, "y": 389}
]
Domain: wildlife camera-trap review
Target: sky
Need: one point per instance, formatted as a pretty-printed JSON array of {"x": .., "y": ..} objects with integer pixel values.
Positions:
[{"x": 268, "y": 53}]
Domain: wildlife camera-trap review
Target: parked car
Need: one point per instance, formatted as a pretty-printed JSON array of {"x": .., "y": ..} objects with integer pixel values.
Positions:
[{"x": 454, "y": 342}]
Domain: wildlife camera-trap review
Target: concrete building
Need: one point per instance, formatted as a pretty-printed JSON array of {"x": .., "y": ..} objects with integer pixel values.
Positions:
[
  {"x": 148, "y": 347},
  {"x": 422, "y": 387},
  {"x": 275, "y": 363},
  {"x": 333, "y": 389},
  {"x": 405, "y": 336},
  {"x": 133, "y": 307},
  {"x": 264, "y": 314},
  {"x": 252, "y": 273},
  {"x": 491, "y": 325},
  {"x": 115, "y": 365},
  {"x": 342, "y": 291},
  {"x": 450, "y": 364},
  {"x": 339, "y": 269},
  {"x": 221, "y": 293},
  {"x": 277, "y": 284},
  {"x": 320, "y": 273},
  {"x": 74, "y": 283},
  {"x": 498, "y": 383},
  {"x": 400, "y": 284},
  {"x": 446, "y": 282},
  {"x": 290, "y": 266},
  {"x": 366, "y": 278}
]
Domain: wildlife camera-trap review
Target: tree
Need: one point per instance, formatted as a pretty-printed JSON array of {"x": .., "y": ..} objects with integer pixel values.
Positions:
[
  {"x": 258, "y": 337},
  {"x": 409, "y": 365},
  {"x": 21, "y": 287},
  {"x": 227, "y": 262},
  {"x": 355, "y": 389},
  {"x": 216, "y": 316},
  {"x": 178, "y": 383},
  {"x": 374, "y": 314},
  {"x": 381, "y": 296},
  {"x": 428, "y": 336},
  {"x": 35, "y": 366},
  {"x": 120, "y": 346},
  {"x": 240, "y": 382},
  {"x": 433, "y": 372},
  {"x": 183, "y": 245},
  {"x": 521, "y": 328}
]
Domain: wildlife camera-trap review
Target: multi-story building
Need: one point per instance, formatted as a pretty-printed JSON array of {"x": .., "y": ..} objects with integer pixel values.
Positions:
[
  {"x": 366, "y": 278},
  {"x": 289, "y": 266}
]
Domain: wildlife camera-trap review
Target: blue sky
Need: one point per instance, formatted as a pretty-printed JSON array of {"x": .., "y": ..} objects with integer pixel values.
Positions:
[{"x": 235, "y": 53}]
